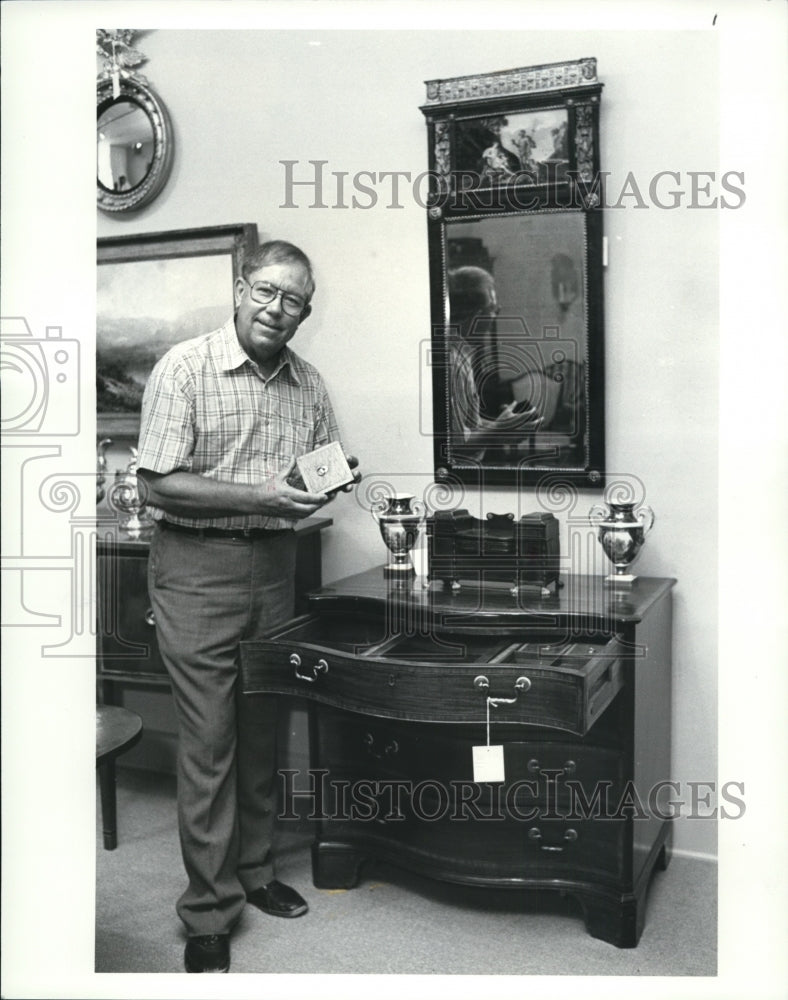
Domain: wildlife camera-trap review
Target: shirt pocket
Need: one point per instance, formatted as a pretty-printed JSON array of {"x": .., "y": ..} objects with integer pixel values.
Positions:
[
  {"x": 222, "y": 432},
  {"x": 289, "y": 434}
]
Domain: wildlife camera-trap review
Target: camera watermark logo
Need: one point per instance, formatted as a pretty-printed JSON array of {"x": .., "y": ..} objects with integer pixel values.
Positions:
[
  {"x": 50, "y": 519},
  {"x": 40, "y": 379}
]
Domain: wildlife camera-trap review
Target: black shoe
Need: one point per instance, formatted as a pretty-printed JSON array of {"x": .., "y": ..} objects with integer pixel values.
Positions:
[
  {"x": 207, "y": 953},
  {"x": 277, "y": 899}
]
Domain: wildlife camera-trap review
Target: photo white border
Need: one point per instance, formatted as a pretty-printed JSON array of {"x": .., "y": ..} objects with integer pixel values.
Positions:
[{"x": 48, "y": 59}]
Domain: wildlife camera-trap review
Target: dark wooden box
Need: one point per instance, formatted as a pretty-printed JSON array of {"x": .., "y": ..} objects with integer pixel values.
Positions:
[{"x": 524, "y": 553}]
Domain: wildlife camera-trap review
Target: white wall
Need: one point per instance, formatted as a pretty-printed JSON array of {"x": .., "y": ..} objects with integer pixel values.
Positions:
[{"x": 241, "y": 101}]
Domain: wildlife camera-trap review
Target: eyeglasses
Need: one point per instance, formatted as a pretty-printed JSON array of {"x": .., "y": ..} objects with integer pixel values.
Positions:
[{"x": 264, "y": 292}]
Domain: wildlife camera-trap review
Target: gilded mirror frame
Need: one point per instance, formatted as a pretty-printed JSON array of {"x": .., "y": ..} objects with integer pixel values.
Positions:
[
  {"x": 515, "y": 197},
  {"x": 111, "y": 93}
]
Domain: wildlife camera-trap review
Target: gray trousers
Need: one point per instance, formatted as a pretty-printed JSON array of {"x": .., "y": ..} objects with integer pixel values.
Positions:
[{"x": 208, "y": 594}]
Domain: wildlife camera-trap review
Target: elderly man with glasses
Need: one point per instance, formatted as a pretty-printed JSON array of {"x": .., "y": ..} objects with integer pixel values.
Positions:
[{"x": 223, "y": 418}]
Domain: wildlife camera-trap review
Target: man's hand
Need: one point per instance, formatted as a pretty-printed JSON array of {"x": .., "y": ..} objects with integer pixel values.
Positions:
[
  {"x": 280, "y": 498},
  {"x": 294, "y": 478},
  {"x": 352, "y": 461},
  {"x": 512, "y": 423},
  {"x": 517, "y": 416}
]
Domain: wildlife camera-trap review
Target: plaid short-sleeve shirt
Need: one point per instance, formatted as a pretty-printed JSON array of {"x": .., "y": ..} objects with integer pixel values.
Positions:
[
  {"x": 208, "y": 409},
  {"x": 465, "y": 408}
]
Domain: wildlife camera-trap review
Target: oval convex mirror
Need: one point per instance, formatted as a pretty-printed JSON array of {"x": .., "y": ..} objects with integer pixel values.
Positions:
[{"x": 133, "y": 146}]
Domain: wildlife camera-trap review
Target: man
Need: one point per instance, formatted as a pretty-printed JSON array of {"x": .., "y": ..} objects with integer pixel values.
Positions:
[
  {"x": 472, "y": 304},
  {"x": 223, "y": 418}
]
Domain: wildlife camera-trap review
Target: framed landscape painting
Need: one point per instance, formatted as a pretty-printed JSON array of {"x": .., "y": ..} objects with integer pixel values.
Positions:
[{"x": 153, "y": 291}]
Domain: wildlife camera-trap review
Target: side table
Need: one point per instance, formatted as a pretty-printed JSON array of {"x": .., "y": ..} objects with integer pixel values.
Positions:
[{"x": 117, "y": 730}]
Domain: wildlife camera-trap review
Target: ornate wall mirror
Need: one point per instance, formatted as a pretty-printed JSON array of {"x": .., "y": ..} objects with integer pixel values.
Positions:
[
  {"x": 515, "y": 247},
  {"x": 133, "y": 132}
]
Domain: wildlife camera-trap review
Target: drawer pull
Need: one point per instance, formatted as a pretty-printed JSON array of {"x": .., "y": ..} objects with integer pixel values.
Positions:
[
  {"x": 570, "y": 836},
  {"x": 321, "y": 667},
  {"x": 389, "y": 750},
  {"x": 521, "y": 684},
  {"x": 534, "y": 766},
  {"x": 150, "y": 618}
]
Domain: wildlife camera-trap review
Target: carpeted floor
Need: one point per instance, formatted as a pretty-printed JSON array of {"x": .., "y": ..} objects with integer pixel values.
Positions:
[{"x": 393, "y": 922}]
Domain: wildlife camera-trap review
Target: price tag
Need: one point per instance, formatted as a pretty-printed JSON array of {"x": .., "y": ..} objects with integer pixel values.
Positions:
[{"x": 488, "y": 763}]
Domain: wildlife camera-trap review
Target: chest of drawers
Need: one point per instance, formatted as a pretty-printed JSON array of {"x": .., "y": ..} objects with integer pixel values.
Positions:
[{"x": 403, "y": 683}]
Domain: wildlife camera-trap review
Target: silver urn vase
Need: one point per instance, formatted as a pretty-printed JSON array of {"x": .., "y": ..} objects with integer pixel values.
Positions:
[
  {"x": 621, "y": 530},
  {"x": 126, "y": 500},
  {"x": 399, "y": 518}
]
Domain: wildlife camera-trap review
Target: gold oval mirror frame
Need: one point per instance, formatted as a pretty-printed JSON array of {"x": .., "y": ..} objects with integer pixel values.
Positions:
[{"x": 133, "y": 145}]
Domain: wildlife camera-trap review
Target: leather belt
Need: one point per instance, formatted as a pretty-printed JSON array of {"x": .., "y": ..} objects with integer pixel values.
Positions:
[{"x": 231, "y": 534}]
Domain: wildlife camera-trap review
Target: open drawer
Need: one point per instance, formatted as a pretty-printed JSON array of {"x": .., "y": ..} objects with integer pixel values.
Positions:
[{"x": 348, "y": 662}]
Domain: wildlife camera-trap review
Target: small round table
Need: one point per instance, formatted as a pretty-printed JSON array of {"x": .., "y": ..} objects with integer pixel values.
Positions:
[{"x": 117, "y": 730}]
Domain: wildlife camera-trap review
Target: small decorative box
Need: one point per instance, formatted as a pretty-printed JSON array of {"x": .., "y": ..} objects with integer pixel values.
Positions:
[{"x": 325, "y": 469}]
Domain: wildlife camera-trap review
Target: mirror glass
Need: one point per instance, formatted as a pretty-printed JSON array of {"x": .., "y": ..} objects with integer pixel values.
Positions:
[
  {"x": 528, "y": 354},
  {"x": 134, "y": 145},
  {"x": 125, "y": 144},
  {"x": 515, "y": 241}
]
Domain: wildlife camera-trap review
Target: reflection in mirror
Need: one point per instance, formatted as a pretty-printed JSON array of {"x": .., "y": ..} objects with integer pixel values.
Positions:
[
  {"x": 125, "y": 145},
  {"x": 134, "y": 145},
  {"x": 517, "y": 340}
]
